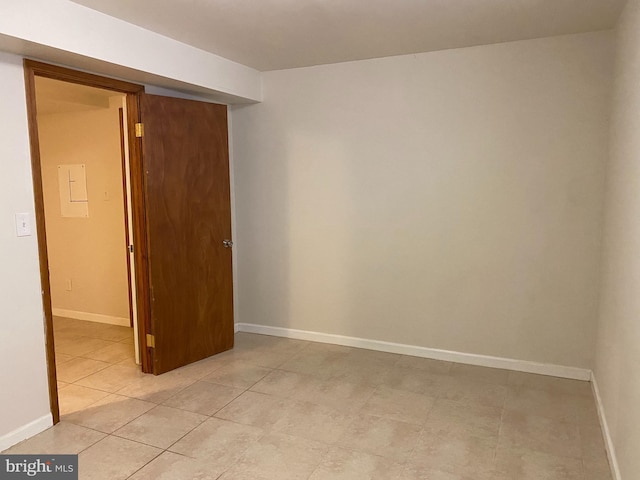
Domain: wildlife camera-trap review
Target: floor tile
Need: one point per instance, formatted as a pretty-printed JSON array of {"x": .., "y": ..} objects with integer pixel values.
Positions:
[
  {"x": 282, "y": 383},
  {"x": 78, "y": 368},
  {"x": 471, "y": 392},
  {"x": 114, "y": 458},
  {"x": 81, "y": 346},
  {"x": 238, "y": 375},
  {"x": 156, "y": 389},
  {"x": 541, "y": 403},
  {"x": 202, "y": 368},
  {"x": 371, "y": 374},
  {"x": 219, "y": 440},
  {"x": 342, "y": 464},
  {"x": 265, "y": 343},
  {"x": 600, "y": 472},
  {"x": 414, "y": 472},
  {"x": 263, "y": 356},
  {"x": 540, "y": 434},
  {"x": 363, "y": 356},
  {"x": 527, "y": 465},
  {"x": 253, "y": 408},
  {"x": 161, "y": 427},
  {"x": 551, "y": 384},
  {"x": 458, "y": 417},
  {"x": 346, "y": 397},
  {"x": 593, "y": 449},
  {"x": 325, "y": 412},
  {"x": 113, "y": 378},
  {"x": 62, "y": 341},
  {"x": 130, "y": 338},
  {"x": 424, "y": 364},
  {"x": 380, "y": 436},
  {"x": 318, "y": 360},
  {"x": 277, "y": 456},
  {"x": 111, "y": 333},
  {"x": 74, "y": 397},
  {"x": 65, "y": 322},
  {"x": 64, "y": 332},
  {"x": 63, "y": 438},
  {"x": 62, "y": 358},
  {"x": 203, "y": 397},
  {"x": 455, "y": 452},
  {"x": 416, "y": 380},
  {"x": 129, "y": 362},
  {"x": 586, "y": 411},
  {"x": 399, "y": 405},
  {"x": 110, "y": 413},
  {"x": 114, "y": 353},
  {"x": 311, "y": 421},
  {"x": 171, "y": 466}
]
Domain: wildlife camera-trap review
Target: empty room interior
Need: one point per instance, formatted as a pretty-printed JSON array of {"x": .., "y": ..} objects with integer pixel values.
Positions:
[{"x": 321, "y": 240}]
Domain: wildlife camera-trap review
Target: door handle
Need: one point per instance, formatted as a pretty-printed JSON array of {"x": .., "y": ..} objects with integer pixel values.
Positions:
[{"x": 227, "y": 243}]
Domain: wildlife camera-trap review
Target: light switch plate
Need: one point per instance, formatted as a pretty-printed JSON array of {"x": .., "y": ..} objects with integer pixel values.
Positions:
[{"x": 23, "y": 224}]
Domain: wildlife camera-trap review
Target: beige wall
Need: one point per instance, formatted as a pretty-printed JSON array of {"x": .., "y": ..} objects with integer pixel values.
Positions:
[
  {"x": 91, "y": 252},
  {"x": 24, "y": 401},
  {"x": 618, "y": 349},
  {"x": 450, "y": 200}
]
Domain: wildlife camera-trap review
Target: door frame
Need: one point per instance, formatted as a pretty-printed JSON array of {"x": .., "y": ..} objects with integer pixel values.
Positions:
[{"x": 137, "y": 179}]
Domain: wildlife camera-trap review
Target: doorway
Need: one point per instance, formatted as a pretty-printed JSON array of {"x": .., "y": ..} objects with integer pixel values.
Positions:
[
  {"x": 84, "y": 165},
  {"x": 180, "y": 224},
  {"x": 72, "y": 240}
]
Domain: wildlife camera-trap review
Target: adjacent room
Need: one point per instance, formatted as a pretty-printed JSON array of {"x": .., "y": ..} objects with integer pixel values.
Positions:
[
  {"x": 84, "y": 167},
  {"x": 359, "y": 240}
]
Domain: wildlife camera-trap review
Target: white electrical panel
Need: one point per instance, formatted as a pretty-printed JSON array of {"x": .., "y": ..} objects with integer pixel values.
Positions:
[{"x": 72, "y": 180}]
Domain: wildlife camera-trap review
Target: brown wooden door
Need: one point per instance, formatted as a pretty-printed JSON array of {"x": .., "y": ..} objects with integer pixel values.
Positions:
[{"x": 186, "y": 158}]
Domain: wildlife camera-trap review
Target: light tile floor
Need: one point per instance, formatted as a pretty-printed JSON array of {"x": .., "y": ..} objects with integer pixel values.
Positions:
[{"x": 279, "y": 409}]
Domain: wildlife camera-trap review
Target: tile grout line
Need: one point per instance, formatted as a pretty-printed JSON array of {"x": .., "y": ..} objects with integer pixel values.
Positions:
[{"x": 269, "y": 430}]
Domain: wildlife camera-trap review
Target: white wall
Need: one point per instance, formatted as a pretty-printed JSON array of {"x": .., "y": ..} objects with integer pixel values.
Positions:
[
  {"x": 91, "y": 252},
  {"x": 618, "y": 349},
  {"x": 449, "y": 200},
  {"x": 24, "y": 398}
]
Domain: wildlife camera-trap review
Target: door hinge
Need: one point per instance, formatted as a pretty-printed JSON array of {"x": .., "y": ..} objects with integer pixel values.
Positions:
[
  {"x": 139, "y": 130},
  {"x": 130, "y": 248},
  {"x": 151, "y": 341}
]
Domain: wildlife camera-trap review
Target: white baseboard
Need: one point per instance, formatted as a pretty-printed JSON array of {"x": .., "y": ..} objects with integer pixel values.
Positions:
[
  {"x": 26, "y": 431},
  {"x": 236, "y": 328},
  {"x": 608, "y": 441},
  {"x": 416, "y": 351},
  {"x": 92, "y": 317}
]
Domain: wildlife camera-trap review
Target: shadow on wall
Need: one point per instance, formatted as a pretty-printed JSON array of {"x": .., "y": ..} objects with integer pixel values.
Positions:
[{"x": 262, "y": 250}]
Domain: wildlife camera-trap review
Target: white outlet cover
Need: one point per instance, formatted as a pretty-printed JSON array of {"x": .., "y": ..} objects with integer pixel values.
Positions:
[{"x": 23, "y": 224}]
